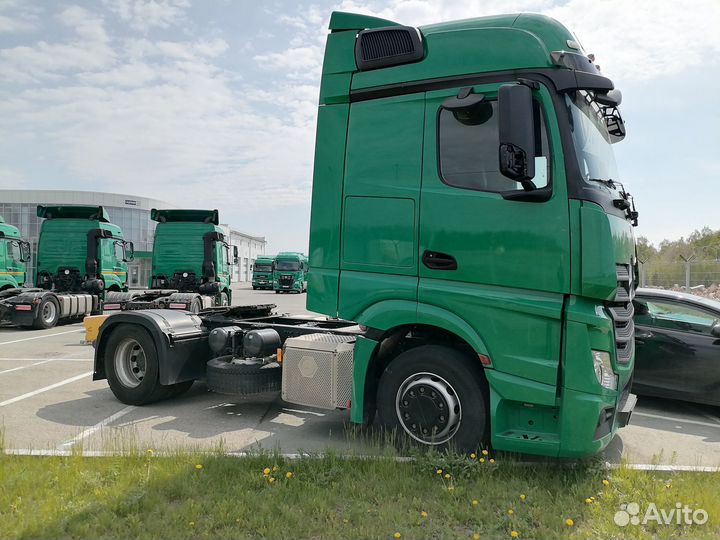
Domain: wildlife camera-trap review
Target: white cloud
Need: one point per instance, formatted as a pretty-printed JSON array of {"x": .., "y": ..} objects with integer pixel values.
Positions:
[
  {"x": 23, "y": 17},
  {"x": 143, "y": 15}
]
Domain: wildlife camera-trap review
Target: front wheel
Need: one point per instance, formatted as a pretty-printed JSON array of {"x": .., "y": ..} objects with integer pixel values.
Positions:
[
  {"x": 437, "y": 397},
  {"x": 131, "y": 366},
  {"x": 48, "y": 313}
]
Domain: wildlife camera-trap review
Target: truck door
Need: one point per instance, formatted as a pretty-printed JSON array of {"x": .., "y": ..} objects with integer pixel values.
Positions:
[{"x": 501, "y": 265}]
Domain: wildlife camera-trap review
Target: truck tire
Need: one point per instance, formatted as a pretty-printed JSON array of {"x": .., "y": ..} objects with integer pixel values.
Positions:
[
  {"x": 195, "y": 305},
  {"x": 224, "y": 377},
  {"x": 48, "y": 313},
  {"x": 435, "y": 397},
  {"x": 131, "y": 366}
]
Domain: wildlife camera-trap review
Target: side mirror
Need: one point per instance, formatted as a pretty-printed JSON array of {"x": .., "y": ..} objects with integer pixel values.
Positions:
[
  {"x": 715, "y": 330},
  {"x": 516, "y": 126},
  {"x": 235, "y": 255},
  {"x": 129, "y": 252}
]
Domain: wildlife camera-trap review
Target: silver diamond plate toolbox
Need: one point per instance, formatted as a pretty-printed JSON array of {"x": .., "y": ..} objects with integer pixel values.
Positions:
[{"x": 318, "y": 369}]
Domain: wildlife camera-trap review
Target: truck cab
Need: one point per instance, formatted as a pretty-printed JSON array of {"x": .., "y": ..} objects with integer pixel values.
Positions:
[
  {"x": 81, "y": 257},
  {"x": 191, "y": 254},
  {"x": 191, "y": 265},
  {"x": 79, "y": 250},
  {"x": 14, "y": 254},
  {"x": 262, "y": 276},
  {"x": 290, "y": 272}
]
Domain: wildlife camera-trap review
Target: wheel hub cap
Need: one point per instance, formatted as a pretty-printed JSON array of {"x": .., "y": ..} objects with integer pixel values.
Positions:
[
  {"x": 428, "y": 408},
  {"x": 130, "y": 363}
]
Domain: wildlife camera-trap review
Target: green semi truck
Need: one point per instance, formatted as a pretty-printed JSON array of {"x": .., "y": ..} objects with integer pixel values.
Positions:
[
  {"x": 290, "y": 270},
  {"x": 470, "y": 244},
  {"x": 191, "y": 265},
  {"x": 14, "y": 255},
  {"x": 262, "y": 272},
  {"x": 80, "y": 256}
]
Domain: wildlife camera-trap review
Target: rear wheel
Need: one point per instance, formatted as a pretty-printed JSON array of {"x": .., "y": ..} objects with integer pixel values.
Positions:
[
  {"x": 48, "y": 313},
  {"x": 131, "y": 366},
  {"x": 436, "y": 397}
]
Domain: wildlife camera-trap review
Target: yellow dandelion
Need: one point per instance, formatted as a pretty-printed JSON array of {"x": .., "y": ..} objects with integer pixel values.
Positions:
[
  {"x": 485, "y": 452},
  {"x": 482, "y": 460},
  {"x": 592, "y": 499},
  {"x": 150, "y": 452},
  {"x": 668, "y": 486},
  {"x": 451, "y": 488},
  {"x": 397, "y": 535},
  {"x": 447, "y": 476},
  {"x": 423, "y": 514},
  {"x": 439, "y": 471},
  {"x": 191, "y": 523},
  {"x": 511, "y": 512},
  {"x": 569, "y": 522},
  {"x": 514, "y": 534},
  {"x": 588, "y": 501},
  {"x": 266, "y": 471},
  {"x": 476, "y": 536},
  {"x": 475, "y": 502},
  {"x": 523, "y": 496},
  {"x": 606, "y": 482},
  {"x": 473, "y": 456},
  {"x": 199, "y": 466},
  {"x": 276, "y": 468},
  {"x": 492, "y": 460},
  {"x": 271, "y": 479},
  {"x": 288, "y": 475}
]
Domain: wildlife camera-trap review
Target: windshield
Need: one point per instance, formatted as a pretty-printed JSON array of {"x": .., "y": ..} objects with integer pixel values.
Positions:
[
  {"x": 291, "y": 266},
  {"x": 263, "y": 267},
  {"x": 591, "y": 140}
]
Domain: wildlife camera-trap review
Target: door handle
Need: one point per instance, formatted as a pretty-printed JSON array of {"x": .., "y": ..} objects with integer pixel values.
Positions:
[
  {"x": 641, "y": 336},
  {"x": 439, "y": 261}
]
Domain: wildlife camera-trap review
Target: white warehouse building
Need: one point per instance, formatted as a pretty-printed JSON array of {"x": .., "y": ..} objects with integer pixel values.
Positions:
[{"x": 130, "y": 212}]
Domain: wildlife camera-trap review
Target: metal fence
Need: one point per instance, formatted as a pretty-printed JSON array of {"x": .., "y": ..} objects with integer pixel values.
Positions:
[{"x": 682, "y": 273}]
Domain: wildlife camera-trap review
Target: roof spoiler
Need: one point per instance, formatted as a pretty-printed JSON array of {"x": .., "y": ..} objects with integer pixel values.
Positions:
[
  {"x": 73, "y": 211},
  {"x": 193, "y": 215}
]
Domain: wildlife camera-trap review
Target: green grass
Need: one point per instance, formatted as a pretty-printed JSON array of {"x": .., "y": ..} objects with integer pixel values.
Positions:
[{"x": 150, "y": 496}]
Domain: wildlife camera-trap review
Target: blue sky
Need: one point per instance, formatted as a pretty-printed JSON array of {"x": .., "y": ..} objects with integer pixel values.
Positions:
[{"x": 212, "y": 103}]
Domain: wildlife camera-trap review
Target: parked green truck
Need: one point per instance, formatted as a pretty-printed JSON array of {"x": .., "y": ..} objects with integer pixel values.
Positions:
[
  {"x": 290, "y": 272},
  {"x": 191, "y": 264},
  {"x": 468, "y": 219},
  {"x": 14, "y": 255},
  {"x": 80, "y": 256},
  {"x": 262, "y": 272}
]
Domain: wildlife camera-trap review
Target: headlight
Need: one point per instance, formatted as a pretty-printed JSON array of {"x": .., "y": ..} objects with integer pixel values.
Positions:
[{"x": 603, "y": 370}]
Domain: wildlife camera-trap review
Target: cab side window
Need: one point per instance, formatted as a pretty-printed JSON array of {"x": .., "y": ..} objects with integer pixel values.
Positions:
[{"x": 468, "y": 142}]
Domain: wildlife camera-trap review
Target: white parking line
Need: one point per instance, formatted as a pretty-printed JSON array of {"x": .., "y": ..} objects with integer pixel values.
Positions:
[
  {"x": 23, "y": 367},
  {"x": 674, "y": 419},
  {"x": 41, "y": 337},
  {"x": 44, "y": 389},
  {"x": 89, "y": 431}
]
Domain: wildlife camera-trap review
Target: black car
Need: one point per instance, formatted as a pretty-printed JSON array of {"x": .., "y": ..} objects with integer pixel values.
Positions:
[{"x": 677, "y": 353}]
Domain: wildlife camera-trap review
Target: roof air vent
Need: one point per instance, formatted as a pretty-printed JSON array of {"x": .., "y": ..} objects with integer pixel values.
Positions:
[{"x": 385, "y": 47}]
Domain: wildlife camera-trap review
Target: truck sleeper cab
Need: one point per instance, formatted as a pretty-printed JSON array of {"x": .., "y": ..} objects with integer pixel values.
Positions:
[
  {"x": 191, "y": 264},
  {"x": 80, "y": 255},
  {"x": 468, "y": 219},
  {"x": 290, "y": 272},
  {"x": 262, "y": 276}
]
